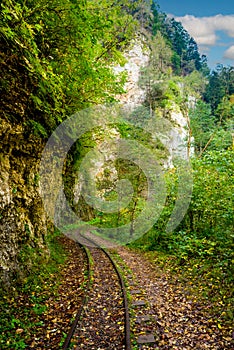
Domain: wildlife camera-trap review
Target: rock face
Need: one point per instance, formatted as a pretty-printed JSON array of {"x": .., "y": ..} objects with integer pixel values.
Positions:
[
  {"x": 179, "y": 135},
  {"x": 137, "y": 57},
  {"x": 22, "y": 219}
]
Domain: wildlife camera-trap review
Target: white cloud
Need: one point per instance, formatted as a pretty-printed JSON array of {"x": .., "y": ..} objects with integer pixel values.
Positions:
[
  {"x": 204, "y": 29},
  {"x": 229, "y": 53}
]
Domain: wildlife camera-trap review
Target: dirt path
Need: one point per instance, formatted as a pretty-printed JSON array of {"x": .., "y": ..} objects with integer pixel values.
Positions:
[{"x": 177, "y": 319}]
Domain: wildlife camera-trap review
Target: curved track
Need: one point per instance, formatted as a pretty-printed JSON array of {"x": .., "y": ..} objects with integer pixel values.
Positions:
[{"x": 105, "y": 300}]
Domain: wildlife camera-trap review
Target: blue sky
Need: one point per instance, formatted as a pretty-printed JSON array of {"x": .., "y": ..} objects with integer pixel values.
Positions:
[{"x": 210, "y": 22}]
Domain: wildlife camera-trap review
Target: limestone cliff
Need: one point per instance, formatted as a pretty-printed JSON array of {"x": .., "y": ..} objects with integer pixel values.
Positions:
[
  {"x": 22, "y": 219},
  {"x": 138, "y": 57}
]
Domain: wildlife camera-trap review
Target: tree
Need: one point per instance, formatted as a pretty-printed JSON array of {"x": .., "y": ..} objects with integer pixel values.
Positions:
[
  {"x": 158, "y": 23},
  {"x": 142, "y": 12},
  {"x": 158, "y": 69},
  {"x": 195, "y": 84},
  {"x": 161, "y": 54},
  {"x": 193, "y": 54},
  {"x": 225, "y": 110},
  {"x": 186, "y": 56},
  {"x": 202, "y": 124},
  {"x": 210, "y": 132},
  {"x": 221, "y": 84}
]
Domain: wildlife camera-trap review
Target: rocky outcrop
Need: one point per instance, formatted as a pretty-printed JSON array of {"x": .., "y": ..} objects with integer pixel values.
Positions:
[
  {"x": 22, "y": 219},
  {"x": 137, "y": 57}
]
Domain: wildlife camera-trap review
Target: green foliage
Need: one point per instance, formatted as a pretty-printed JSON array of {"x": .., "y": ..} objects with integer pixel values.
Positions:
[
  {"x": 37, "y": 129},
  {"x": 186, "y": 57},
  {"x": 202, "y": 124},
  {"x": 174, "y": 45},
  {"x": 125, "y": 170},
  {"x": 207, "y": 228},
  {"x": 160, "y": 60},
  {"x": 203, "y": 243},
  {"x": 142, "y": 12},
  {"x": 57, "y": 57},
  {"x": 221, "y": 84},
  {"x": 212, "y": 131},
  {"x": 225, "y": 110},
  {"x": 195, "y": 83}
]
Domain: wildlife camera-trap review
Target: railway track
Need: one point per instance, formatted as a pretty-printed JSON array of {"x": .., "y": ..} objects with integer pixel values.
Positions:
[{"x": 103, "y": 319}]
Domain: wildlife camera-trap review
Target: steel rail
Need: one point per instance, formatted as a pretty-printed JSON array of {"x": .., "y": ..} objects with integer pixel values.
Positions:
[
  {"x": 84, "y": 301},
  {"x": 123, "y": 289}
]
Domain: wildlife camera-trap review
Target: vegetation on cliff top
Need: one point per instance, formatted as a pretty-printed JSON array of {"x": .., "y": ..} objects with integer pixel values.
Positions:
[{"x": 57, "y": 55}]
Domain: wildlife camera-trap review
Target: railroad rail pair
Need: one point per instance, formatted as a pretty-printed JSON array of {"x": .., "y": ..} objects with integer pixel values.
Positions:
[{"x": 86, "y": 243}]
